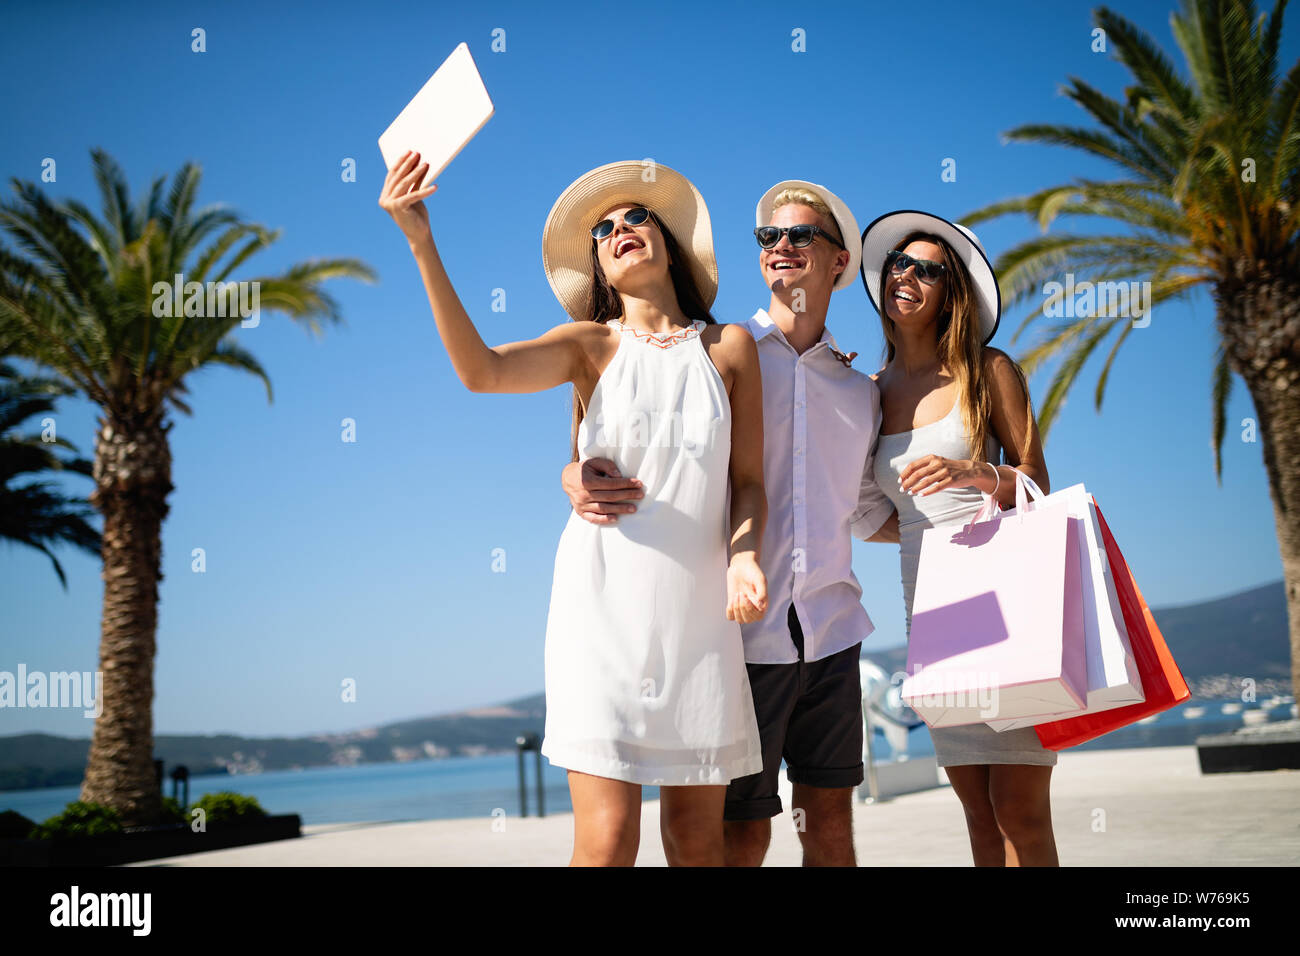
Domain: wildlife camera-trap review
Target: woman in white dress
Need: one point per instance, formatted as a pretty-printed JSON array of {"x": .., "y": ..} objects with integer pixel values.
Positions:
[
  {"x": 952, "y": 408},
  {"x": 645, "y": 672}
]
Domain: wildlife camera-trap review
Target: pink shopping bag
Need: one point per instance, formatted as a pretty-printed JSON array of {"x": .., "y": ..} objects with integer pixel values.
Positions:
[
  {"x": 997, "y": 618},
  {"x": 1113, "y": 679}
]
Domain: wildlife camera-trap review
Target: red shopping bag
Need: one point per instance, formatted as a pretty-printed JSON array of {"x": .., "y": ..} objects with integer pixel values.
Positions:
[{"x": 1161, "y": 679}]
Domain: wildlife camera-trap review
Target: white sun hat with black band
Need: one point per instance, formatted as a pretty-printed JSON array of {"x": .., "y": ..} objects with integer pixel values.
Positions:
[
  {"x": 887, "y": 231},
  {"x": 566, "y": 237},
  {"x": 848, "y": 225}
]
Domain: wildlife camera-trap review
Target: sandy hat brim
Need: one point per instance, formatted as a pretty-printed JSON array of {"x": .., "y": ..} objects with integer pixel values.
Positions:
[
  {"x": 839, "y": 210},
  {"x": 888, "y": 230},
  {"x": 566, "y": 237}
]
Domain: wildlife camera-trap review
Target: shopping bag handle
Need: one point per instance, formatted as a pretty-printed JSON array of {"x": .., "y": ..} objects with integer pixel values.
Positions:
[{"x": 1027, "y": 491}]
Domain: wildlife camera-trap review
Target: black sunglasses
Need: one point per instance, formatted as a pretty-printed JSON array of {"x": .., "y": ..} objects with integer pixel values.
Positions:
[
  {"x": 635, "y": 216},
  {"x": 927, "y": 271},
  {"x": 800, "y": 235}
]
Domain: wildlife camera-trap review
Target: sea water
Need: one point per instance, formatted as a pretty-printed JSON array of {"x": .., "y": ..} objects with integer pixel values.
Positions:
[{"x": 488, "y": 786}]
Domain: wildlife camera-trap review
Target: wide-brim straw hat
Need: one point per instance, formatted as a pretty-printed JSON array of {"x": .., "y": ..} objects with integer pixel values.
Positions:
[
  {"x": 839, "y": 210},
  {"x": 566, "y": 238},
  {"x": 888, "y": 230}
]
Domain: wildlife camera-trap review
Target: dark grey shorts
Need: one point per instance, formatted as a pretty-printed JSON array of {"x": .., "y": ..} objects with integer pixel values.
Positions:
[{"x": 810, "y": 714}]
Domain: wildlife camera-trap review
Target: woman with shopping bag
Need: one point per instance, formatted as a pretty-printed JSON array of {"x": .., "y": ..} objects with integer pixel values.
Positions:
[{"x": 952, "y": 407}]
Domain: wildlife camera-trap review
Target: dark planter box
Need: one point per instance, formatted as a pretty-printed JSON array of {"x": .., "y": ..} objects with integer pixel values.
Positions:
[
  {"x": 147, "y": 844},
  {"x": 1261, "y": 749}
]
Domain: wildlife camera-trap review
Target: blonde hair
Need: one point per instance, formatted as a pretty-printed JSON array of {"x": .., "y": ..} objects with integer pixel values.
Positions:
[{"x": 805, "y": 197}]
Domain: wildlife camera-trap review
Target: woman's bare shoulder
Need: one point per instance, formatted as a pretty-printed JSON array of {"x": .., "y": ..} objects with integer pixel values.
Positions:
[
  {"x": 1001, "y": 368},
  {"x": 731, "y": 340},
  {"x": 586, "y": 331},
  {"x": 595, "y": 343},
  {"x": 735, "y": 334},
  {"x": 594, "y": 338},
  {"x": 998, "y": 362},
  {"x": 725, "y": 332}
]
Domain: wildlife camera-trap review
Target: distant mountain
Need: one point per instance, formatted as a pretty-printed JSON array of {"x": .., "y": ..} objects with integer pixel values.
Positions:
[
  {"x": 43, "y": 760},
  {"x": 1217, "y": 644}
]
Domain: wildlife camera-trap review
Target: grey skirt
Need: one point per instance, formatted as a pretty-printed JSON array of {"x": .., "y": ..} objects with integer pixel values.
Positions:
[{"x": 981, "y": 744}]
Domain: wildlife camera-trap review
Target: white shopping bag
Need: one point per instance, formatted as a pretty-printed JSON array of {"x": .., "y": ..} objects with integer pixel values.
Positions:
[{"x": 1113, "y": 679}]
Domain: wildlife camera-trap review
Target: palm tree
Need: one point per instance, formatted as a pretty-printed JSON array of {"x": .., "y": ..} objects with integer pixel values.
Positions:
[
  {"x": 86, "y": 306},
  {"x": 36, "y": 513},
  {"x": 1206, "y": 197}
]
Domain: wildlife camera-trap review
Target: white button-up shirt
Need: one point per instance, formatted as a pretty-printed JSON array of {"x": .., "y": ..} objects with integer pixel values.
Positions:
[{"x": 820, "y": 421}]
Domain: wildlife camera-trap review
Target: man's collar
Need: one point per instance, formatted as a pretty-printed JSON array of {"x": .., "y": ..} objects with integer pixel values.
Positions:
[{"x": 761, "y": 324}]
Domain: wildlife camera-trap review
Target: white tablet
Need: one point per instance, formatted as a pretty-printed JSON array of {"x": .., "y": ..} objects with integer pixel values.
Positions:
[{"x": 445, "y": 115}]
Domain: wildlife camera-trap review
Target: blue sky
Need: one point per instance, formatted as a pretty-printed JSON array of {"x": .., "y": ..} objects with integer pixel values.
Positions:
[{"x": 372, "y": 560}]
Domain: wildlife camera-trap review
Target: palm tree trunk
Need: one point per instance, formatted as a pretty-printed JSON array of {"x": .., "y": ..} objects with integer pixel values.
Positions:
[
  {"x": 1259, "y": 319},
  {"x": 132, "y": 480}
]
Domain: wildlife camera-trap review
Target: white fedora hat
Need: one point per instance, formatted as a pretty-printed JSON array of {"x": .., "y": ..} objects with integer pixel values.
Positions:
[
  {"x": 843, "y": 218},
  {"x": 888, "y": 230},
  {"x": 566, "y": 237}
]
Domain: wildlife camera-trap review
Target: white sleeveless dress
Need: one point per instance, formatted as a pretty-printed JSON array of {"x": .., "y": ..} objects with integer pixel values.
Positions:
[
  {"x": 970, "y": 743},
  {"x": 645, "y": 676}
]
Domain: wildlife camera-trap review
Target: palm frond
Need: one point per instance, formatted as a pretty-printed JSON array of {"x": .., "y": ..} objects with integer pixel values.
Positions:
[
  {"x": 176, "y": 213},
  {"x": 1284, "y": 139},
  {"x": 115, "y": 196},
  {"x": 1220, "y": 391},
  {"x": 78, "y": 293},
  {"x": 260, "y": 240},
  {"x": 1089, "y": 141},
  {"x": 1153, "y": 70},
  {"x": 149, "y": 204},
  {"x": 72, "y": 265},
  {"x": 1146, "y": 143},
  {"x": 233, "y": 355},
  {"x": 1069, "y": 370}
]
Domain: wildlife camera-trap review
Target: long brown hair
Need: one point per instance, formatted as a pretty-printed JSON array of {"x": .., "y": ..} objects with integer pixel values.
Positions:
[
  {"x": 960, "y": 346},
  {"x": 605, "y": 303}
]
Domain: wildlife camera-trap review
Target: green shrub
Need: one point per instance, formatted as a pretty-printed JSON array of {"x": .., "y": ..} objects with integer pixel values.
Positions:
[
  {"x": 172, "y": 811},
  {"x": 15, "y": 826},
  {"x": 227, "y": 807},
  {"x": 80, "y": 819}
]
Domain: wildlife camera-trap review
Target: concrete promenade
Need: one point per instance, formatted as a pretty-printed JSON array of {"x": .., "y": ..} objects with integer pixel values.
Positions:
[{"x": 1148, "y": 807}]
